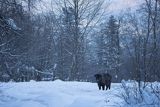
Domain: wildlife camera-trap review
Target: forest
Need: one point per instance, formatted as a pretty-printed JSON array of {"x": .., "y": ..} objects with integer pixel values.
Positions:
[{"x": 75, "y": 39}]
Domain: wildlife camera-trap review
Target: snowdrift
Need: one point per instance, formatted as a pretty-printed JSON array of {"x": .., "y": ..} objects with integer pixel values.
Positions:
[{"x": 59, "y": 94}]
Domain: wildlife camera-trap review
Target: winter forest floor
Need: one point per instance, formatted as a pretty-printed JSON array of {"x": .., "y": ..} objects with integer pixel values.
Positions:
[
  {"x": 58, "y": 94},
  {"x": 78, "y": 94}
]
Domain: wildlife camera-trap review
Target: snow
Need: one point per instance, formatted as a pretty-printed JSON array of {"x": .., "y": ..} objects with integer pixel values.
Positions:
[
  {"x": 56, "y": 94},
  {"x": 12, "y": 24},
  {"x": 71, "y": 94}
]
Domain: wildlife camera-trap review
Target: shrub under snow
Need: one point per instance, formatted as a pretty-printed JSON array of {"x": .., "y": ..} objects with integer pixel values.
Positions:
[{"x": 136, "y": 96}]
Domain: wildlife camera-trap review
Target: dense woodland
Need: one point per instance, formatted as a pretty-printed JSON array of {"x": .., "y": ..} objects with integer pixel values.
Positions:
[{"x": 74, "y": 39}]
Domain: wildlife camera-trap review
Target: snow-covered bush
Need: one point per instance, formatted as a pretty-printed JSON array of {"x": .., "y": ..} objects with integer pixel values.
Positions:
[
  {"x": 136, "y": 96},
  {"x": 12, "y": 24}
]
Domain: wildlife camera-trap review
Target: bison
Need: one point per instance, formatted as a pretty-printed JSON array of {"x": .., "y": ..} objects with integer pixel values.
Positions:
[{"x": 103, "y": 80}]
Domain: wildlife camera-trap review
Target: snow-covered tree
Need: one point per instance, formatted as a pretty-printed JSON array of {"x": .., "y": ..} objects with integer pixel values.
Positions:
[{"x": 109, "y": 47}]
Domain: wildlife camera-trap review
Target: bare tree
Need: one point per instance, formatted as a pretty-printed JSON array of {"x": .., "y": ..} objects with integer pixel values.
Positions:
[{"x": 83, "y": 13}]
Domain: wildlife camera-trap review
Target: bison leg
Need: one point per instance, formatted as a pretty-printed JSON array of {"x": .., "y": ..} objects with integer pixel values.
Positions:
[
  {"x": 109, "y": 85},
  {"x": 99, "y": 86},
  {"x": 106, "y": 87},
  {"x": 103, "y": 86}
]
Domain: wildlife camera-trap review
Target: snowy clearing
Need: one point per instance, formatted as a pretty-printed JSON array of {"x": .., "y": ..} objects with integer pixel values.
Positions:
[
  {"x": 57, "y": 94},
  {"x": 76, "y": 94}
]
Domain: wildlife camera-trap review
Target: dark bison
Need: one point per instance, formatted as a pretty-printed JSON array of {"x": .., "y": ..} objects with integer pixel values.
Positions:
[{"x": 103, "y": 80}]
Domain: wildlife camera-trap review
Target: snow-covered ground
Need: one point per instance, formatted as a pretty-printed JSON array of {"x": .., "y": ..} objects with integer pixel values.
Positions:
[
  {"x": 77, "y": 94},
  {"x": 57, "y": 94}
]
